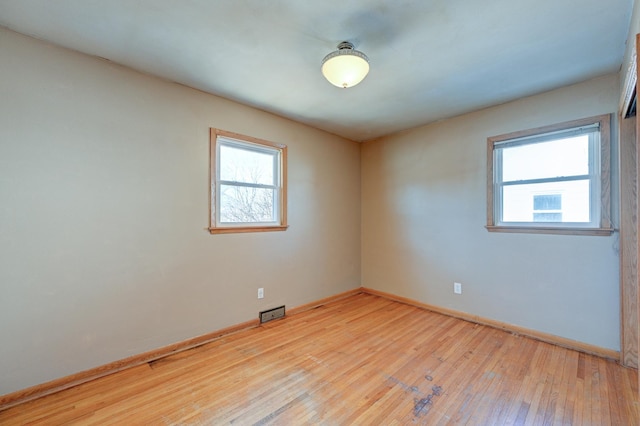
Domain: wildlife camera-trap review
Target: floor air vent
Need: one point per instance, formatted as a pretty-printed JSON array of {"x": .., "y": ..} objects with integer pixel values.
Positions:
[{"x": 271, "y": 314}]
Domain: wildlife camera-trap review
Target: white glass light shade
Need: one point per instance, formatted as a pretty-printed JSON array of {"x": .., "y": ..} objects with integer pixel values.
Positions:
[{"x": 345, "y": 67}]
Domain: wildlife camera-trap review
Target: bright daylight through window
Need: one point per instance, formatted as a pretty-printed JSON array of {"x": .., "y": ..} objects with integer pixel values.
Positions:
[
  {"x": 553, "y": 179},
  {"x": 248, "y": 184}
]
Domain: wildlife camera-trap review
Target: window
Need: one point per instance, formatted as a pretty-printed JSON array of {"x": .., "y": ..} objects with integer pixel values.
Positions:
[
  {"x": 248, "y": 184},
  {"x": 553, "y": 179}
]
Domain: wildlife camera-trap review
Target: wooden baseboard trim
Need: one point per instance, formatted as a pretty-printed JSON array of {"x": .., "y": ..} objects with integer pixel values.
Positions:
[
  {"x": 533, "y": 334},
  {"x": 330, "y": 299},
  {"x": 38, "y": 391},
  {"x": 57, "y": 385}
]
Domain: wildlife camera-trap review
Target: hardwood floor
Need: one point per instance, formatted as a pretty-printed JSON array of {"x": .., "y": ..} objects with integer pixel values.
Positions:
[{"x": 361, "y": 360}]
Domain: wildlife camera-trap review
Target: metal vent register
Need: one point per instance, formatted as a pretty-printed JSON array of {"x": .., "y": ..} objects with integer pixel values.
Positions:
[{"x": 271, "y": 314}]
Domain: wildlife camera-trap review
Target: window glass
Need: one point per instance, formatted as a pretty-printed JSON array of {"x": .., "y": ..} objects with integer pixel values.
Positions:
[
  {"x": 240, "y": 204},
  {"x": 564, "y": 157},
  {"x": 250, "y": 166},
  {"x": 547, "y": 202},
  {"x": 519, "y": 201}
]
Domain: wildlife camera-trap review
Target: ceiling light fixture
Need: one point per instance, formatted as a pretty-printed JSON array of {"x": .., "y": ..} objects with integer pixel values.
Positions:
[{"x": 345, "y": 67}]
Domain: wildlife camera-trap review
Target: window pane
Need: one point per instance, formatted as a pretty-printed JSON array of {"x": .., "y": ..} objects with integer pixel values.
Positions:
[
  {"x": 242, "y": 165},
  {"x": 563, "y": 157},
  {"x": 547, "y": 202},
  {"x": 518, "y": 203},
  {"x": 547, "y": 217},
  {"x": 240, "y": 204}
]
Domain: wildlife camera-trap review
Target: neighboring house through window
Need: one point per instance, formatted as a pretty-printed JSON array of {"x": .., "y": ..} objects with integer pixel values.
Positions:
[
  {"x": 553, "y": 179},
  {"x": 248, "y": 184},
  {"x": 547, "y": 208}
]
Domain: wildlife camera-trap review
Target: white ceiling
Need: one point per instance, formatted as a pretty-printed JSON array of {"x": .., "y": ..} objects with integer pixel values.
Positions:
[{"x": 430, "y": 59}]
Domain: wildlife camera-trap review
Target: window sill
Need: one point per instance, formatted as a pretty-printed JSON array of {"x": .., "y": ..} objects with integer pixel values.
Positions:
[
  {"x": 551, "y": 230},
  {"x": 244, "y": 229}
]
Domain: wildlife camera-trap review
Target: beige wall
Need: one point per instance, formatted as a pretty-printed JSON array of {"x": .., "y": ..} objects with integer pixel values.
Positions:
[
  {"x": 423, "y": 217},
  {"x": 104, "y": 251}
]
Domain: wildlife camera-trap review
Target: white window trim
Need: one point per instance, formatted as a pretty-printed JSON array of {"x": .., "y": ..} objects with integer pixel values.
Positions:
[
  {"x": 600, "y": 181},
  {"x": 221, "y": 137}
]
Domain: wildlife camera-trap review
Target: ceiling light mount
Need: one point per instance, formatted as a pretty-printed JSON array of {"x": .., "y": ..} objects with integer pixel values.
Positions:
[
  {"x": 345, "y": 45},
  {"x": 346, "y": 66}
]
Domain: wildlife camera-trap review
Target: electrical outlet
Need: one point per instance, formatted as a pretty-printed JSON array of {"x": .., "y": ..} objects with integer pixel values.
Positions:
[
  {"x": 457, "y": 288},
  {"x": 261, "y": 293}
]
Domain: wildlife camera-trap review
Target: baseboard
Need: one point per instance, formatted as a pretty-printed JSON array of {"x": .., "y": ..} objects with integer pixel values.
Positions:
[
  {"x": 533, "y": 334},
  {"x": 38, "y": 391},
  {"x": 57, "y": 385},
  {"x": 315, "y": 304},
  {"x": 48, "y": 388}
]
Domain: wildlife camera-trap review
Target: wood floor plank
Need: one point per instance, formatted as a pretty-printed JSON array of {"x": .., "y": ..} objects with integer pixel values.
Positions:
[{"x": 359, "y": 360}]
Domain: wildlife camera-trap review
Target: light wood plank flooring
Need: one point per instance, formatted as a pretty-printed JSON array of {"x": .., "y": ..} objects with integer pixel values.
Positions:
[{"x": 362, "y": 360}]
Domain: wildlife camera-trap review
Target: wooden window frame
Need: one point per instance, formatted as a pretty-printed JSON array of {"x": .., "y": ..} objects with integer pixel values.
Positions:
[
  {"x": 604, "y": 228},
  {"x": 214, "y": 225}
]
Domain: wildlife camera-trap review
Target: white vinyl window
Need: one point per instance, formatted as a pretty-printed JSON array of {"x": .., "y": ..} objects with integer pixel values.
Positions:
[
  {"x": 553, "y": 179},
  {"x": 248, "y": 190}
]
